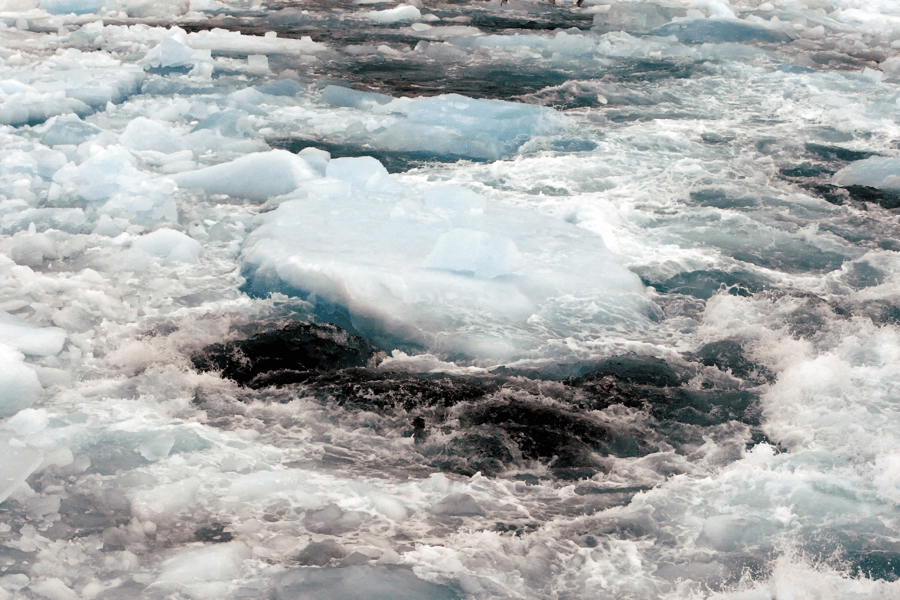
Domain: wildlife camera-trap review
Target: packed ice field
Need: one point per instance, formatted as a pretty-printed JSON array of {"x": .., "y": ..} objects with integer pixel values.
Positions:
[{"x": 616, "y": 288}]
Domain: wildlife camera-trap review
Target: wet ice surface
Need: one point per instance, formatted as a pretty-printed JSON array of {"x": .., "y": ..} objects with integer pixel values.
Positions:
[{"x": 333, "y": 299}]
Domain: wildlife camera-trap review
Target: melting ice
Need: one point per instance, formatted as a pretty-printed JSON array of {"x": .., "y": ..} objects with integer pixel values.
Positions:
[{"x": 386, "y": 299}]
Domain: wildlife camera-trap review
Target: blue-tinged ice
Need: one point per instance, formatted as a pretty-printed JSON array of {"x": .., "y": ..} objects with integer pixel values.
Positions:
[
  {"x": 19, "y": 461},
  {"x": 256, "y": 176},
  {"x": 635, "y": 17},
  {"x": 439, "y": 267},
  {"x": 19, "y": 389},
  {"x": 449, "y": 125},
  {"x": 699, "y": 31},
  {"x": 169, "y": 245},
  {"x": 878, "y": 172},
  {"x": 346, "y": 97},
  {"x": 67, "y": 130},
  {"x": 110, "y": 182},
  {"x": 29, "y": 339},
  {"x": 78, "y": 7}
]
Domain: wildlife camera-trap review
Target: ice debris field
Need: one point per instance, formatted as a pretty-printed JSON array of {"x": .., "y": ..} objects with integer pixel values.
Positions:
[{"x": 457, "y": 299}]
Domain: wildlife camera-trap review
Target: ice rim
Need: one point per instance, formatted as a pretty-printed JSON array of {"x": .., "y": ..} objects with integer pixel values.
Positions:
[{"x": 456, "y": 300}]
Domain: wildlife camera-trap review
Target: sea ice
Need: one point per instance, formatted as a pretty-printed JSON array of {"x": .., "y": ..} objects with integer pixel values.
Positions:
[
  {"x": 169, "y": 245},
  {"x": 19, "y": 384},
  {"x": 163, "y": 503},
  {"x": 448, "y": 125},
  {"x": 66, "y": 130},
  {"x": 404, "y": 12},
  {"x": 211, "y": 563},
  {"x": 342, "y": 96},
  {"x": 256, "y": 176},
  {"x": 635, "y": 17},
  {"x": 878, "y": 172},
  {"x": 28, "y": 339},
  {"x": 19, "y": 461},
  {"x": 110, "y": 181},
  {"x": 426, "y": 264},
  {"x": 699, "y": 31}
]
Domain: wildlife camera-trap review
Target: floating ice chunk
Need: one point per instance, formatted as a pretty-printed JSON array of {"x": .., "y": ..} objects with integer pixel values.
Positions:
[
  {"x": 699, "y": 31},
  {"x": 146, "y": 134},
  {"x": 19, "y": 461},
  {"x": 573, "y": 44},
  {"x": 361, "y": 582},
  {"x": 878, "y": 172},
  {"x": 170, "y": 53},
  {"x": 891, "y": 69},
  {"x": 110, "y": 174},
  {"x": 157, "y": 447},
  {"x": 28, "y": 339},
  {"x": 376, "y": 256},
  {"x": 28, "y": 421},
  {"x": 67, "y": 129},
  {"x": 230, "y": 122},
  {"x": 635, "y": 17},
  {"x": 53, "y": 588},
  {"x": 170, "y": 245},
  {"x": 255, "y": 486},
  {"x": 222, "y": 41},
  {"x": 77, "y": 7},
  {"x": 19, "y": 385},
  {"x": 364, "y": 172},
  {"x": 257, "y": 176},
  {"x": 164, "y": 502},
  {"x": 217, "y": 562},
  {"x": 341, "y": 96},
  {"x": 474, "y": 252},
  {"x": 280, "y": 87},
  {"x": 404, "y": 12},
  {"x": 454, "y": 125},
  {"x": 156, "y": 8}
]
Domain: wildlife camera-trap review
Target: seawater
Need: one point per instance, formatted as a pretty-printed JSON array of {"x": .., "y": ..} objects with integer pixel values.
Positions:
[{"x": 449, "y": 300}]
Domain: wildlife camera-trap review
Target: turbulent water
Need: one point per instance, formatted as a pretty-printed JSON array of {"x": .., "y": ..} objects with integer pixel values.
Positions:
[{"x": 449, "y": 299}]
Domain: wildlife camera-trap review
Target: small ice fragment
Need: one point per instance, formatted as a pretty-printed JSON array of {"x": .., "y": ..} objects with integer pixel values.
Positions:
[
  {"x": 342, "y": 96},
  {"x": 28, "y": 339},
  {"x": 258, "y": 62},
  {"x": 157, "y": 447},
  {"x": 404, "y": 12},
  {"x": 218, "y": 562},
  {"x": 18, "y": 463},
  {"x": 170, "y": 245},
  {"x": 699, "y": 31},
  {"x": 257, "y": 176},
  {"x": 164, "y": 502},
  {"x": 54, "y": 589}
]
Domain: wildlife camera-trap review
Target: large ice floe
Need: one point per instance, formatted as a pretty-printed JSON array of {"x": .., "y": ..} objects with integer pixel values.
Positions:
[
  {"x": 438, "y": 267},
  {"x": 459, "y": 299}
]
